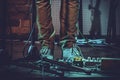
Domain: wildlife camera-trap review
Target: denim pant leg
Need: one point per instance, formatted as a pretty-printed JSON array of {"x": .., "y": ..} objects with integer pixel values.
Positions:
[
  {"x": 44, "y": 22},
  {"x": 68, "y": 19}
]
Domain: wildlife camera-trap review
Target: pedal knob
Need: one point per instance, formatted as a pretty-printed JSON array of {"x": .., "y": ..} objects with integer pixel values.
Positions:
[{"x": 78, "y": 61}]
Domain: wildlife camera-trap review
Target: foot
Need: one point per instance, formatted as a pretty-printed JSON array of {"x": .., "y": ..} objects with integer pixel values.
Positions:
[
  {"x": 46, "y": 52},
  {"x": 69, "y": 54}
]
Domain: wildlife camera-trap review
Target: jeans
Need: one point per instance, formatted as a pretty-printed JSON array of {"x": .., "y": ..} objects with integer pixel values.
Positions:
[{"x": 68, "y": 18}]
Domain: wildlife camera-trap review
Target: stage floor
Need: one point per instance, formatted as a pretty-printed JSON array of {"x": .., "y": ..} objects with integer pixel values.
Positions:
[{"x": 15, "y": 72}]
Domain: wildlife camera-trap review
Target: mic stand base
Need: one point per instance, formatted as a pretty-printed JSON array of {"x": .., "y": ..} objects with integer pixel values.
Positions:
[{"x": 33, "y": 53}]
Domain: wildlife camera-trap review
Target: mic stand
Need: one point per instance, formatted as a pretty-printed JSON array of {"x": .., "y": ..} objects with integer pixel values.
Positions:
[{"x": 33, "y": 53}]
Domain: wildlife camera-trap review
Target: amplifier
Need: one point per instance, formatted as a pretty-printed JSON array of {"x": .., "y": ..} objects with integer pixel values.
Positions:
[{"x": 110, "y": 64}]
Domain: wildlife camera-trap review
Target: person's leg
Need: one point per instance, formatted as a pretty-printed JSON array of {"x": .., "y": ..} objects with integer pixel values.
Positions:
[
  {"x": 68, "y": 19},
  {"x": 45, "y": 27}
]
